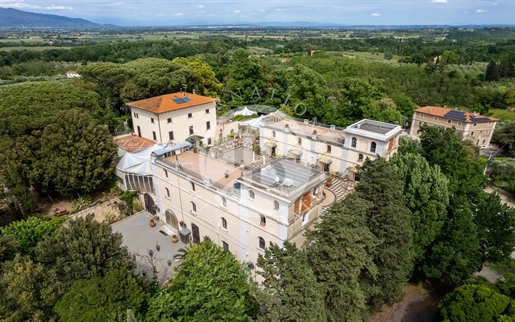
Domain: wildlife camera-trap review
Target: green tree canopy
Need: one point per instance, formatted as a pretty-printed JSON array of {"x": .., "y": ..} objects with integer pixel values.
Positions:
[
  {"x": 427, "y": 197},
  {"x": 210, "y": 285},
  {"x": 458, "y": 161},
  {"x": 495, "y": 221},
  {"x": 204, "y": 80},
  {"x": 339, "y": 249},
  {"x": 505, "y": 137},
  {"x": 31, "y": 106},
  {"x": 76, "y": 156},
  {"x": 246, "y": 82},
  {"x": 151, "y": 77},
  {"x": 455, "y": 254},
  {"x": 289, "y": 291},
  {"x": 83, "y": 249},
  {"x": 28, "y": 233},
  {"x": 29, "y": 291},
  {"x": 389, "y": 220},
  {"x": 474, "y": 303},
  {"x": 102, "y": 299}
]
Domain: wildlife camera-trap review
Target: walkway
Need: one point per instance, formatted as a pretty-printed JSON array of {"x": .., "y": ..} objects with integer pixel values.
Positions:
[
  {"x": 338, "y": 190},
  {"x": 140, "y": 238}
]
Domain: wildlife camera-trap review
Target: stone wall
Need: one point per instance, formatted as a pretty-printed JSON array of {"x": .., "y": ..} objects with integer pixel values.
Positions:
[{"x": 104, "y": 212}]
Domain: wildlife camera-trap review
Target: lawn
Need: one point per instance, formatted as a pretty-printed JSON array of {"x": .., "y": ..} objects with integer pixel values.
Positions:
[{"x": 503, "y": 115}]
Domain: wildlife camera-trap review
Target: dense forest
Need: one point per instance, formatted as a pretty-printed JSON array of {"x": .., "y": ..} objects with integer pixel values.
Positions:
[{"x": 419, "y": 217}]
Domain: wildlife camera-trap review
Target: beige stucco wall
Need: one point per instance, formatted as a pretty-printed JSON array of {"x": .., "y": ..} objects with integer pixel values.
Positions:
[
  {"x": 180, "y": 124},
  {"x": 479, "y": 133},
  {"x": 243, "y": 214}
]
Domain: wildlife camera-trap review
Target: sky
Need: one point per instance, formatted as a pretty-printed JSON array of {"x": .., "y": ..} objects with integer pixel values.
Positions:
[{"x": 343, "y": 12}]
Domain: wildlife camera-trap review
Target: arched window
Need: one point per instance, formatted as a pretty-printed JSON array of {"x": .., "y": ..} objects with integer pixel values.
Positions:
[
  {"x": 373, "y": 147},
  {"x": 167, "y": 192},
  {"x": 262, "y": 220},
  {"x": 192, "y": 186},
  {"x": 193, "y": 207},
  {"x": 299, "y": 141},
  {"x": 224, "y": 201},
  {"x": 232, "y": 131},
  {"x": 224, "y": 223},
  {"x": 328, "y": 149},
  {"x": 276, "y": 205},
  {"x": 166, "y": 173},
  {"x": 261, "y": 242},
  {"x": 354, "y": 142},
  {"x": 360, "y": 157},
  {"x": 251, "y": 194},
  {"x": 273, "y": 134}
]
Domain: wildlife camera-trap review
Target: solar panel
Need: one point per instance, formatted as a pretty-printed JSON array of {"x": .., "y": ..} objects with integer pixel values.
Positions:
[
  {"x": 179, "y": 100},
  {"x": 456, "y": 115},
  {"x": 480, "y": 119}
]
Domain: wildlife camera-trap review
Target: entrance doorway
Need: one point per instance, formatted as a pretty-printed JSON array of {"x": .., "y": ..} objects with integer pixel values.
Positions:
[
  {"x": 150, "y": 205},
  {"x": 171, "y": 219}
]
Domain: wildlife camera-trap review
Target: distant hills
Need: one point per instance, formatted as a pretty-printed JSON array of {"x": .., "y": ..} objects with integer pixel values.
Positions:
[{"x": 17, "y": 18}]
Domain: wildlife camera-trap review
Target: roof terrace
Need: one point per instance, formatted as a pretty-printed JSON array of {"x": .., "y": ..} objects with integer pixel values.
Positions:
[{"x": 284, "y": 178}]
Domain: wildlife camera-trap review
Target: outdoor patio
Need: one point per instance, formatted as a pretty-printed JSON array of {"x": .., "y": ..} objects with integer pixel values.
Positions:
[{"x": 140, "y": 238}]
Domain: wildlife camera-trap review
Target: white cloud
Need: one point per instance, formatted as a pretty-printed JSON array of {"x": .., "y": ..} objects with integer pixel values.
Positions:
[
  {"x": 481, "y": 11},
  {"x": 376, "y": 14},
  {"x": 262, "y": 10},
  {"x": 439, "y": 1},
  {"x": 179, "y": 14},
  {"x": 200, "y": 6},
  {"x": 201, "y": 11},
  {"x": 22, "y": 5},
  {"x": 236, "y": 11}
]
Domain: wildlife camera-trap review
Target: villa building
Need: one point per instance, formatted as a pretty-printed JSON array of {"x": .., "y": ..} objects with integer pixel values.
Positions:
[
  {"x": 328, "y": 148},
  {"x": 473, "y": 126},
  {"x": 240, "y": 202},
  {"x": 175, "y": 117}
]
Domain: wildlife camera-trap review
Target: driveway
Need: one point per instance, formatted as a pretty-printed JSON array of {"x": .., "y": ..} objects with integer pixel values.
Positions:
[{"x": 144, "y": 241}]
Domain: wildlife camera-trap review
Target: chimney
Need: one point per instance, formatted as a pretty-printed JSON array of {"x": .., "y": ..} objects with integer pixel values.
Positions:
[{"x": 193, "y": 91}]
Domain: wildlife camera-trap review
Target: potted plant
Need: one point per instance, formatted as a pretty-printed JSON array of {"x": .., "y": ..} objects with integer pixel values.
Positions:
[
  {"x": 152, "y": 222},
  {"x": 227, "y": 174},
  {"x": 329, "y": 182},
  {"x": 175, "y": 239}
]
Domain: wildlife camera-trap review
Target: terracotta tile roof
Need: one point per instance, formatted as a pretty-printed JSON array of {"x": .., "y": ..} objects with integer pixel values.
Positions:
[
  {"x": 466, "y": 117},
  {"x": 132, "y": 143},
  {"x": 171, "y": 102}
]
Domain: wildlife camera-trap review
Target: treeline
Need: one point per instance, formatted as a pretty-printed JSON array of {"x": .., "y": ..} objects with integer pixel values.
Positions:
[{"x": 468, "y": 50}]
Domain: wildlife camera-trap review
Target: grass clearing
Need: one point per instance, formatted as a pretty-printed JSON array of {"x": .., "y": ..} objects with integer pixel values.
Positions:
[{"x": 503, "y": 115}]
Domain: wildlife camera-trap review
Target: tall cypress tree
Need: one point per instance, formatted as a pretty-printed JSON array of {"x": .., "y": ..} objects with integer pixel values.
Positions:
[
  {"x": 389, "y": 220},
  {"x": 290, "y": 291},
  {"x": 426, "y": 196},
  {"x": 338, "y": 251}
]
